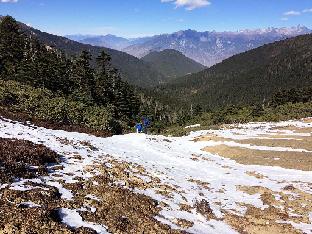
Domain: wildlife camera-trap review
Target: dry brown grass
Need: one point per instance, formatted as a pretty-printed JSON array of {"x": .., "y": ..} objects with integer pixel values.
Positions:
[
  {"x": 118, "y": 208},
  {"x": 285, "y": 159},
  {"x": 294, "y": 129},
  {"x": 267, "y": 220},
  {"x": 305, "y": 143},
  {"x": 19, "y": 158}
]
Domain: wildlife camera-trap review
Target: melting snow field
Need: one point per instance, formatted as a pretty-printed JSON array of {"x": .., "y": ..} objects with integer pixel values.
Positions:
[{"x": 189, "y": 174}]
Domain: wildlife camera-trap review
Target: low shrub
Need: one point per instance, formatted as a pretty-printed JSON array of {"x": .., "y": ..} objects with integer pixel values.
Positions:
[
  {"x": 23, "y": 159},
  {"x": 44, "y": 105}
]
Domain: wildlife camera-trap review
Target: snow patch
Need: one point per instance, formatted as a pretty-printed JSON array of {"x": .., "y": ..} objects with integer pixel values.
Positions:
[
  {"x": 193, "y": 126},
  {"x": 73, "y": 219}
]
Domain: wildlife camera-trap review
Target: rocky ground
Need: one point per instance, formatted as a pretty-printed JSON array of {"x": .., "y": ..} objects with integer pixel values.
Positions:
[{"x": 253, "y": 178}]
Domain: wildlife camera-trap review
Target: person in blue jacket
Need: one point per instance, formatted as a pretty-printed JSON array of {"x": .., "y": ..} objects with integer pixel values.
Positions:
[
  {"x": 146, "y": 124},
  {"x": 139, "y": 127}
]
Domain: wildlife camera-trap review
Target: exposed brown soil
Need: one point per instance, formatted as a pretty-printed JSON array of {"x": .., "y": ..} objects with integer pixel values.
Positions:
[
  {"x": 211, "y": 137},
  {"x": 291, "y": 204},
  {"x": 23, "y": 159},
  {"x": 285, "y": 159},
  {"x": 17, "y": 219},
  {"x": 255, "y": 174}
]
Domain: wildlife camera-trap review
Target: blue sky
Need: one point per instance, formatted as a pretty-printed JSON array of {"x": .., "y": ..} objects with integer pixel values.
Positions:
[{"x": 132, "y": 18}]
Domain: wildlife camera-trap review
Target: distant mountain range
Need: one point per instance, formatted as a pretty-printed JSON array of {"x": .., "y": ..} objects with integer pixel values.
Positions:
[
  {"x": 172, "y": 63},
  {"x": 207, "y": 48},
  {"x": 109, "y": 41}
]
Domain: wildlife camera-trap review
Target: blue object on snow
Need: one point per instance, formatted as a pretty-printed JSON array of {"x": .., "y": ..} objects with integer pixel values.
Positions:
[{"x": 139, "y": 127}]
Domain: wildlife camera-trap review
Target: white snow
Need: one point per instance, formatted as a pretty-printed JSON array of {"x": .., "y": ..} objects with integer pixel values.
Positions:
[
  {"x": 65, "y": 193},
  {"x": 193, "y": 126},
  {"x": 74, "y": 220},
  {"x": 3, "y": 186},
  {"x": 170, "y": 159}
]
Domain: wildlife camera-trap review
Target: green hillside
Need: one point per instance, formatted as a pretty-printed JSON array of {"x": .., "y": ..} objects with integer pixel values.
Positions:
[
  {"x": 248, "y": 78},
  {"x": 172, "y": 63}
]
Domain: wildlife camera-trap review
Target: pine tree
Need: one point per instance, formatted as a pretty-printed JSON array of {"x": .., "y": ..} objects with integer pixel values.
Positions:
[
  {"x": 83, "y": 78},
  {"x": 110, "y": 89},
  {"x": 12, "y": 45},
  {"x": 105, "y": 80}
]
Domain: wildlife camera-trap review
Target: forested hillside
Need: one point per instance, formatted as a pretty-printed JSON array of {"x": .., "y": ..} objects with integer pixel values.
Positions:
[
  {"x": 172, "y": 63},
  {"x": 132, "y": 69},
  {"x": 248, "y": 78},
  {"x": 43, "y": 83}
]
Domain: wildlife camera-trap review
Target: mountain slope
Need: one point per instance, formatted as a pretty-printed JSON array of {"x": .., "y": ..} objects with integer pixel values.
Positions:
[
  {"x": 133, "y": 70},
  {"x": 209, "y": 48},
  {"x": 248, "y": 78},
  {"x": 172, "y": 63}
]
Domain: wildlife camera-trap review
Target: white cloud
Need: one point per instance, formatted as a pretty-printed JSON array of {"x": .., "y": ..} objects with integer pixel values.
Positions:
[
  {"x": 292, "y": 13},
  {"x": 307, "y": 10},
  {"x": 189, "y": 4},
  {"x": 8, "y": 1},
  {"x": 288, "y": 14}
]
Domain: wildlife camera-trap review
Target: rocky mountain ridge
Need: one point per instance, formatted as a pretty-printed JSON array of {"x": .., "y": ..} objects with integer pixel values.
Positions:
[{"x": 207, "y": 48}]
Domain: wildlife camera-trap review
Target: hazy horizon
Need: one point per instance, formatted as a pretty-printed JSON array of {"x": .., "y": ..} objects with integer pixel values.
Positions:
[{"x": 182, "y": 30}]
